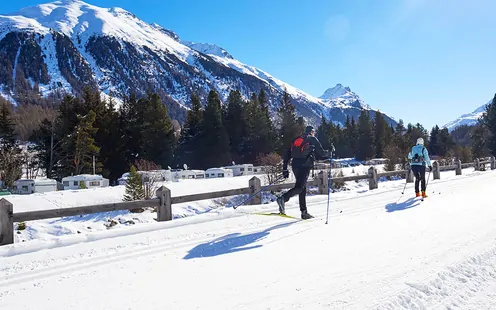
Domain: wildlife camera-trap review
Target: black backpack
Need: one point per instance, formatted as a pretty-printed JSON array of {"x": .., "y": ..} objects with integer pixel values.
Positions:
[{"x": 300, "y": 147}]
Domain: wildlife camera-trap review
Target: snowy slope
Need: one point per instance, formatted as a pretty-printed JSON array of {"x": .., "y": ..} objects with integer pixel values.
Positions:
[
  {"x": 109, "y": 40},
  {"x": 467, "y": 119},
  {"x": 375, "y": 254}
]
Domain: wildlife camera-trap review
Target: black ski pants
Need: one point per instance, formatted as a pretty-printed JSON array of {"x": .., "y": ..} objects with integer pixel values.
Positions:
[
  {"x": 301, "y": 174},
  {"x": 419, "y": 173}
]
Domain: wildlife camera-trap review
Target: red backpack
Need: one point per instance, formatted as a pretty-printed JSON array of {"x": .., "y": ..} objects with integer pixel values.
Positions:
[{"x": 300, "y": 148}]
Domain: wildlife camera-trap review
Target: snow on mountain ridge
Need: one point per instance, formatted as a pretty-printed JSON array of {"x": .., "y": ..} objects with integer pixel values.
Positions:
[
  {"x": 82, "y": 22},
  {"x": 467, "y": 119}
]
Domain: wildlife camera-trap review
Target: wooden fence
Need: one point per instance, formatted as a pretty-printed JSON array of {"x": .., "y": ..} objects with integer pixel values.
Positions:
[{"x": 164, "y": 200}]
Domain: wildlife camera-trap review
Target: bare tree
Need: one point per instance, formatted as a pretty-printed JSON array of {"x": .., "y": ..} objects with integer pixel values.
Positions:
[{"x": 273, "y": 166}]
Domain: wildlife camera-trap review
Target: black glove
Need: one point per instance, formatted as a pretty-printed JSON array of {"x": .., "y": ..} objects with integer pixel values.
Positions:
[
  {"x": 285, "y": 174},
  {"x": 430, "y": 168}
]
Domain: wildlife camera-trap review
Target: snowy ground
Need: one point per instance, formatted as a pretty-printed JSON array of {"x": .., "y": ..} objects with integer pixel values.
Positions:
[
  {"x": 375, "y": 253},
  {"x": 47, "y": 229}
]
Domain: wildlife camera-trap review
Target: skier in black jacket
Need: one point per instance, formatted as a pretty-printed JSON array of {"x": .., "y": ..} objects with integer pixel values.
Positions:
[{"x": 302, "y": 151}]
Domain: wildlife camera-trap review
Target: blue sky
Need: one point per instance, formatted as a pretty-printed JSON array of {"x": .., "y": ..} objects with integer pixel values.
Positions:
[{"x": 418, "y": 60}]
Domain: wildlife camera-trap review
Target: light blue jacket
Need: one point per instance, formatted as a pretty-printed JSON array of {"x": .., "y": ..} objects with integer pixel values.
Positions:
[{"x": 422, "y": 153}]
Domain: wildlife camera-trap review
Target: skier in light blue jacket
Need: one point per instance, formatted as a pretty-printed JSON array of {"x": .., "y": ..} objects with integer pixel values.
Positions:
[{"x": 419, "y": 159}]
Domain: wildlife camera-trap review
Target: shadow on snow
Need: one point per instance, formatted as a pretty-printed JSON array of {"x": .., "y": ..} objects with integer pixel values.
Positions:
[
  {"x": 231, "y": 243},
  {"x": 410, "y": 203}
]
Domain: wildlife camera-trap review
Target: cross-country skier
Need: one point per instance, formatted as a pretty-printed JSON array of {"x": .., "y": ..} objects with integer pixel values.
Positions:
[
  {"x": 302, "y": 152},
  {"x": 419, "y": 158}
]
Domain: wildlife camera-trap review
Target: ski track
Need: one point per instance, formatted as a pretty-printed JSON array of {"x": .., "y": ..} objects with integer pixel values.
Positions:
[{"x": 436, "y": 254}]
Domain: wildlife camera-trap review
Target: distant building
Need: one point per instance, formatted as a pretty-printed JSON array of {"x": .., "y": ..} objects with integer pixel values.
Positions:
[
  {"x": 30, "y": 186},
  {"x": 218, "y": 173},
  {"x": 89, "y": 180}
]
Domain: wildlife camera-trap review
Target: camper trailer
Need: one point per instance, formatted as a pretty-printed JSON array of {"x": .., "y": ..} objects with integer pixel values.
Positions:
[
  {"x": 189, "y": 174},
  {"x": 89, "y": 180},
  {"x": 218, "y": 173},
  {"x": 244, "y": 169},
  {"x": 30, "y": 186}
]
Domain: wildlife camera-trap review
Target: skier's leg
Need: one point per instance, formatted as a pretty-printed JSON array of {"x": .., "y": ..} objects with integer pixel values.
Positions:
[
  {"x": 416, "y": 174},
  {"x": 422, "y": 178},
  {"x": 303, "y": 194},
  {"x": 299, "y": 184},
  {"x": 294, "y": 191}
]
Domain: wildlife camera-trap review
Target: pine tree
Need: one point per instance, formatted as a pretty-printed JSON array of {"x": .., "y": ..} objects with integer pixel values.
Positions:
[
  {"x": 236, "y": 125},
  {"x": 380, "y": 130},
  {"x": 290, "y": 128},
  {"x": 79, "y": 147},
  {"x": 157, "y": 134},
  {"x": 489, "y": 121},
  {"x": 130, "y": 117},
  {"x": 433, "y": 142},
  {"x": 41, "y": 138},
  {"x": 479, "y": 140},
  {"x": 323, "y": 133},
  {"x": 365, "y": 149},
  {"x": 215, "y": 140},
  {"x": 444, "y": 142},
  {"x": 134, "y": 186},
  {"x": 10, "y": 154},
  {"x": 268, "y": 135},
  {"x": 187, "y": 147}
]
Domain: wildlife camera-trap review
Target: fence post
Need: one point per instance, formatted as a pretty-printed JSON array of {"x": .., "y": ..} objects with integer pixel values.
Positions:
[
  {"x": 323, "y": 184},
  {"x": 164, "y": 211},
  {"x": 6, "y": 222},
  {"x": 476, "y": 164},
  {"x": 493, "y": 163},
  {"x": 409, "y": 174},
  {"x": 436, "y": 172},
  {"x": 458, "y": 167},
  {"x": 255, "y": 186},
  {"x": 372, "y": 178}
]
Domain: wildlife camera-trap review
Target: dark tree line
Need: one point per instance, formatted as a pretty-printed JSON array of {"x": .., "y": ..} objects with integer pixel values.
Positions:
[
  {"x": 88, "y": 134},
  {"x": 85, "y": 134}
]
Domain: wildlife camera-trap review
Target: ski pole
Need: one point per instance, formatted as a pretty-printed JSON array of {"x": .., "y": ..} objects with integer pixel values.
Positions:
[
  {"x": 406, "y": 181},
  {"x": 329, "y": 180},
  {"x": 236, "y": 206},
  {"x": 427, "y": 181}
]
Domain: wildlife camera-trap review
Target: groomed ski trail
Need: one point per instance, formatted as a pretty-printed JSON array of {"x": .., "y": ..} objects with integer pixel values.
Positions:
[{"x": 375, "y": 255}]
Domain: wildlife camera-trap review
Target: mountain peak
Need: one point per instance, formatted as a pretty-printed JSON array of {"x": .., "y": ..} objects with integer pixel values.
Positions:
[
  {"x": 335, "y": 92},
  {"x": 208, "y": 48}
]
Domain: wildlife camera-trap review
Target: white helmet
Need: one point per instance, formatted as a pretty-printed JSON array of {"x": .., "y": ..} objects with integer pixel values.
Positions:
[{"x": 420, "y": 141}]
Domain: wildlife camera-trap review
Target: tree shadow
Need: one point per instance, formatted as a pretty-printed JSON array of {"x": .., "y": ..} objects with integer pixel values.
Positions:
[
  {"x": 231, "y": 243},
  {"x": 410, "y": 203}
]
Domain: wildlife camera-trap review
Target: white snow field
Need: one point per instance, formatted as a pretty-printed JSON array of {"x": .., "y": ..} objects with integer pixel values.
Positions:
[
  {"x": 47, "y": 229},
  {"x": 375, "y": 254}
]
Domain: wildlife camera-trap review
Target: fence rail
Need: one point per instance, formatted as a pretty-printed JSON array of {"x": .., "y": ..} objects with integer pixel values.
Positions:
[{"x": 164, "y": 200}]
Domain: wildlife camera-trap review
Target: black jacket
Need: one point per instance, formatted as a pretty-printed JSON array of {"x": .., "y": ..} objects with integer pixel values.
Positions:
[{"x": 317, "y": 152}]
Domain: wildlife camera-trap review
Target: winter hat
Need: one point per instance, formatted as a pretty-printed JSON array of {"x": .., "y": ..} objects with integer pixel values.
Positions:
[
  {"x": 420, "y": 141},
  {"x": 308, "y": 129}
]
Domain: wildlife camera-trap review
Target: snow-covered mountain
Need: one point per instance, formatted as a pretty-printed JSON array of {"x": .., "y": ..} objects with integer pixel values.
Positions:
[
  {"x": 467, "y": 119},
  {"x": 69, "y": 44}
]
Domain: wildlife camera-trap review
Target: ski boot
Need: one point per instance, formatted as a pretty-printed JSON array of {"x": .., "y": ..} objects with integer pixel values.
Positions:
[
  {"x": 305, "y": 215},
  {"x": 417, "y": 194},
  {"x": 280, "y": 202},
  {"x": 424, "y": 195}
]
